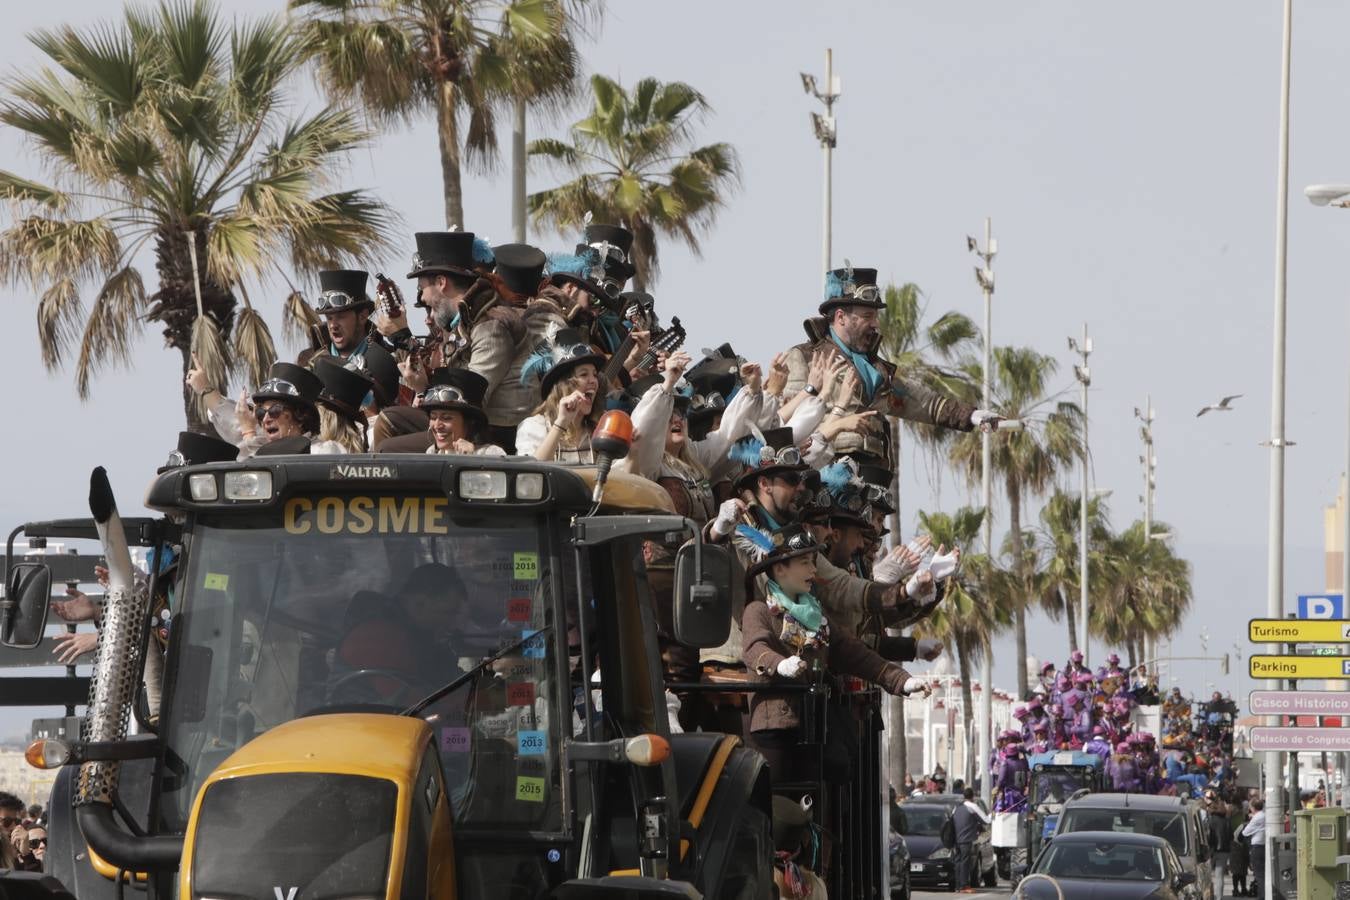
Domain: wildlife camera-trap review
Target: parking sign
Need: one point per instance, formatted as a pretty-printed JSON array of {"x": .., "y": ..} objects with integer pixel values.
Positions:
[{"x": 1321, "y": 606}]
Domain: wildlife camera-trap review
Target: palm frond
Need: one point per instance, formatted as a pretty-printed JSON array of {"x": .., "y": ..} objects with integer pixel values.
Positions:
[
  {"x": 298, "y": 318},
  {"x": 59, "y": 314},
  {"x": 114, "y": 321},
  {"x": 254, "y": 351},
  {"x": 212, "y": 352}
]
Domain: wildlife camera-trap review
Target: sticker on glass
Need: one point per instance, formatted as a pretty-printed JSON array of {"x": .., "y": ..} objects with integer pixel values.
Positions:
[
  {"x": 518, "y": 609},
  {"x": 531, "y": 743},
  {"x": 215, "y": 581},
  {"x": 521, "y": 693},
  {"x": 534, "y": 647},
  {"x": 525, "y": 566},
  {"x": 529, "y": 789},
  {"x": 454, "y": 740}
]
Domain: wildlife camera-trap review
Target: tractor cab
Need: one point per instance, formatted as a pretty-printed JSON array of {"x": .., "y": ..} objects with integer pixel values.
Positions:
[{"x": 1054, "y": 778}]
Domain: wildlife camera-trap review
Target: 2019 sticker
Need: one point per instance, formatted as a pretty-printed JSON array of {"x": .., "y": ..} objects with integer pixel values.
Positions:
[
  {"x": 454, "y": 740},
  {"x": 525, "y": 566},
  {"x": 531, "y": 743},
  {"x": 531, "y": 790}
]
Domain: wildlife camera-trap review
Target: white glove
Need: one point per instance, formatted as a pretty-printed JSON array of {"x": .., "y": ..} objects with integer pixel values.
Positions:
[
  {"x": 917, "y": 589},
  {"x": 727, "y": 514},
  {"x": 929, "y": 649},
  {"x": 915, "y": 686},
  {"x": 944, "y": 566},
  {"x": 892, "y": 567},
  {"x": 984, "y": 419},
  {"x": 792, "y": 667}
]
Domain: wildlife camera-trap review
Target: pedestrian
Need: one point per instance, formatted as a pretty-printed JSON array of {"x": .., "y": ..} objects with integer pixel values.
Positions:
[
  {"x": 1220, "y": 836},
  {"x": 1255, "y": 829},
  {"x": 12, "y": 832},
  {"x": 1238, "y": 855},
  {"x": 970, "y": 822}
]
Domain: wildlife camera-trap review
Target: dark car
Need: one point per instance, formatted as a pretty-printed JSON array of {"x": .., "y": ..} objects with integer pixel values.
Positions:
[
  {"x": 1108, "y": 865},
  {"x": 1171, "y": 818},
  {"x": 930, "y": 863}
]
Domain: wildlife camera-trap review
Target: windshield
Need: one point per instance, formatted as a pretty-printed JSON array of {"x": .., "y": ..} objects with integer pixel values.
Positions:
[
  {"x": 925, "y": 821},
  {"x": 327, "y": 610},
  {"x": 1170, "y": 826},
  {"x": 1102, "y": 862},
  {"x": 1056, "y": 787}
]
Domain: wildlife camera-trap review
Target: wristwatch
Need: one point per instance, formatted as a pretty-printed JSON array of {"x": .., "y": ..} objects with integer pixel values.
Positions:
[{"x": 811, "y": 390}]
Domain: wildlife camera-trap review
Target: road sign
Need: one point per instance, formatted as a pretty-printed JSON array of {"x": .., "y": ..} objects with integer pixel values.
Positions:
[
  {"x": 1299, "y": 703},
  {"x": 1330, "y": 740},
  {"x": 1307, "y": 630},
  {"x": 1298, "y": 666},
  {"x": 1321, "y": 606}
]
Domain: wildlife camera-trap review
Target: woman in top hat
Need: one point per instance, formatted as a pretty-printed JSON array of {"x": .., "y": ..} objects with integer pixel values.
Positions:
[
  {"x": 569, "y": 383},
  {"x": 453, "y": 403},
  {"x": 283, "y": 407},
  {"x": 342, "y": 424},
  {"x": 787, "y": 639}
]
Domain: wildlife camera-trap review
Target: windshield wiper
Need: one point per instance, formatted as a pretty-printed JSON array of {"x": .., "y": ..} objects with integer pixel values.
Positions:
[{"x": 464, "y": 679}]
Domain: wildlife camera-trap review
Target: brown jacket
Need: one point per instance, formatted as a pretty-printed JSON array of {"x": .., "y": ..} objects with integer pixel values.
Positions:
[
  {"x": 906, "y": 398},
  {"x": 487, "y": 341},
  {"x": 842, "y": 654}
]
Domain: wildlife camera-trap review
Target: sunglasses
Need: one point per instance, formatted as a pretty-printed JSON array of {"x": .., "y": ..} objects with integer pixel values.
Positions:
[
  {"x": 443, "y": 393},
  {"x": 271, "y": 409},
  {"x": 37, "y": 842},
  {"x": 335, "y": 301}
]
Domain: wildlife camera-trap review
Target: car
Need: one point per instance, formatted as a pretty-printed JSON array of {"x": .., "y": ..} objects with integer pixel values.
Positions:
[
  {"x": 1174, "y": 819},
  {"x": 931, "y": 864},
  {"x": 1109, "y": 865},
  {"x": 900, "y": 885}
]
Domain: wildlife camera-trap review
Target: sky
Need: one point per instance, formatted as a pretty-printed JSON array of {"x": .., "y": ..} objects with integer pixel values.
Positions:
[{"x": 1127, "y": 157}]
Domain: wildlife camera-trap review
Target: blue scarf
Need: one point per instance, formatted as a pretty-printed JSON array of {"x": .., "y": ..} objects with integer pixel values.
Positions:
[
  {"x": 805, "y": 608},
  {"x": 871, "y": 378},
  {"x": 612, "y": 328}
]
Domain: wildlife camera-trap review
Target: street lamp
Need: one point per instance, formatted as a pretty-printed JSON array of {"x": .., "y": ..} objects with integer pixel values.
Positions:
[
  {"x": 824, "y": 129},
  {"x": 1328, "y": 194},
  {"x": 984, "y": 277},
  {"x": 1084, "y": 376}
]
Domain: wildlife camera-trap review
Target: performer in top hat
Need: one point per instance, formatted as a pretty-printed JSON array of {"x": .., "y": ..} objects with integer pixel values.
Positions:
[
  {"x": 283, "y": 407},
  {"x": 351, "y": 337},
  {"x": 520, "y": 275},
  {"x": 342, "y": 423},
  {"x": 592, "y": 278},
  {"x": 454, "y": 403},
  {"x": 848, "y": 328},
  {"x": 569, "y": 383}
]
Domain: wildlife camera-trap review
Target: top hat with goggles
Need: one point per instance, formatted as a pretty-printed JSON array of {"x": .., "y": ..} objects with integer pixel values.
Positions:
[
  {"x": 195, "y": 449},
  {"x": 341, "y": 290},
  {"x": 292, "y": 383},
  {"x": 773, "y": 455},
  {"x": 777, "y": 546},
  {"x": 457, "y": 389},
  {"x": 444, "y": 253},
  {"x": 559, "y": 358},
  {"x": 878, "y": 479},
  {"x": 614, "y": 243},
  {"x": 847, "y": 494},
  {"x": 851, "y": 287}
]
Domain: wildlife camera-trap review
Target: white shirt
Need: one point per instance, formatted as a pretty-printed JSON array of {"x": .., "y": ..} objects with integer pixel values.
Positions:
[
  {"x": 1256, "y": 829},
  {"x": 975, "y": 808}
]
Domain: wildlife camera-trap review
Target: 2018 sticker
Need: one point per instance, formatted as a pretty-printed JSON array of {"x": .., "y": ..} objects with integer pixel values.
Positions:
[
  {"x": 518, "y": 609},
  {"x": 525, "y": 566},
  {"x": 531, "y": 790},
  {"x": 520, "y": 693},
  {"x": 454, "y": 740},
  {"x": 531, "y": 743},
  {"x": 215, "y": 581},
  {"x": 534, "y": 647}
]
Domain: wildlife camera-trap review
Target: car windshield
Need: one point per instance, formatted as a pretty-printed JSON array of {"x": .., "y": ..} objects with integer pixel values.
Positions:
[
  {"x": 1170, "y": 826},
  {"x": 367, "y": 604},
  {"x": 924, "y": 821},
  {"x": 1102, "y": 861},
  {"x": 1055, "y": 787}
]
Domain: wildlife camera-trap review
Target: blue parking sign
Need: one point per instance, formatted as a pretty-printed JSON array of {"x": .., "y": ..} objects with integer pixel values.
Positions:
[
  {"x": 1345, "y": 667},
  {"x": 1321, "y": 606}
]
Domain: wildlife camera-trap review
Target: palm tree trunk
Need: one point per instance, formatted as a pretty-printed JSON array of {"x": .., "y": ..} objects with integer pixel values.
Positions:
[
  {"x": 967, "y": 710},
  {"x": 1019, "y": 613},
  {"x": 1129, "y": 652},
  {"x": 447, "y": 130},
  {"x": 1071, "y": 613}
]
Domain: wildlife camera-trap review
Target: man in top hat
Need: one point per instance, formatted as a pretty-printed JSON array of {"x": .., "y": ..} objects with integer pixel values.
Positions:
[
  {"x": 848, "y": 328},
  {"x": 592, "y": 278},
  {"x": 352, "y": 340},
  {"x": 520, "y": 275}
]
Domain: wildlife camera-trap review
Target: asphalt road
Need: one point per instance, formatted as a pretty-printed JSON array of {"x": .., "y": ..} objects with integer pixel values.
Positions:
[{"x": 1000, "y": 891}]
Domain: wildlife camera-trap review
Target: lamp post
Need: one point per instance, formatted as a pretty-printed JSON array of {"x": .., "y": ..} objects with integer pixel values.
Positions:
[
  {"x": 827, "y": 134},
  {"x": 1084, "y": 376},
  {"x": 1150, "y": 464},
  {"x": 984, "y": 276}
]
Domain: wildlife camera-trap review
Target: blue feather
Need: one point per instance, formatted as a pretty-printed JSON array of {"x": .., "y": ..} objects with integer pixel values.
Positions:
[
  {"x": 570, "y": 264},
  {"x": 746, "y": 451},
  {"x": 837, "y": 477},
  {"x": 756, "y": 537},
  {"x": 537, "y": 364},
  {"x": 834, "y": 287},
  {"x": 482, "y": 252}
]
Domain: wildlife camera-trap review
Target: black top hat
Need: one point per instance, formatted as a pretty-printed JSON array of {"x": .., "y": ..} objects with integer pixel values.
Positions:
[
  {"x": 195, "y": 449},
  {"x": 582, "y": 268},
  {"x": 287, "y": 446},
  {"x": 879, "y": 479},
  {"x": 779, "y": 545},
  {"x": 851, "y": 287},
  {"x": 341, "y": 290},
  {"x": 520, "y": 267},
  {"x": 443, "y": 253},
  {"x": 287, "y": 381},
  {"x": 773, "y": 455},
  {"x": 380, "y": 366},
  {"x": 615, "y": 244},
  {"x": 459, "y": 389},
  {"x": 344, "y": 389},
  {"x": 552, "y": 361}
]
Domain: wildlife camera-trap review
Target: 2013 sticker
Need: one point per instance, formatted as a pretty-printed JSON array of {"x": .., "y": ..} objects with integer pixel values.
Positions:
[
  {"x": 216, "y": 581},
  {"x": 454, "y": 740},
  {"x": 531, "y": 790},
  {"x": 534, "y": 646},
  {"x": 531, "y": 743},
  {"x": 518, "y": 609},
  {"x": 525, "y": 566},
  {"x": 520, "y": 693}
]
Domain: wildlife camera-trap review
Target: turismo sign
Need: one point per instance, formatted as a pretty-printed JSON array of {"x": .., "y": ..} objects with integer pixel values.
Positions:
[{"x": 1293, "y": 631}]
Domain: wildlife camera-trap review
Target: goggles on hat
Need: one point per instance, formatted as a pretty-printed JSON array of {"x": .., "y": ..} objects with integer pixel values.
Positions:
[
  {"x": 278, "y": 386},
  {"x": 444, "y": 393},
  {"x": 802, "y": 540},
  {"x": 333, "y": 301},
  {"x": 851, "y": 502},
  {"x": 611, "y": 288},
  {"x": 868, "y": 293},
  {"x": 788, "y": 456},
  {"x": 610, "y": 251},
  {"x": 707, "y": 401},
  {"x": 575, "y": 351},
  {"x": 875, "y": 493}
]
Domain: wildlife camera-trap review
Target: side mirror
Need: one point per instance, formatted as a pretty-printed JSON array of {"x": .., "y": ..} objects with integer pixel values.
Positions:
[
  {"x": 1185, "y": 879},
  {"x": 23, "y": 612},
  {"x": 703, "y": 605}
]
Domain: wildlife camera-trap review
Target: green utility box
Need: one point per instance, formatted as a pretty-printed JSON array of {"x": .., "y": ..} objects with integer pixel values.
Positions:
[{"x": 1320, "y": 838}]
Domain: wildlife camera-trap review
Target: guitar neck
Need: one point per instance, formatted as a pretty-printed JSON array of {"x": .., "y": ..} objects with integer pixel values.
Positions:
[{"x": 615, "y": 364}]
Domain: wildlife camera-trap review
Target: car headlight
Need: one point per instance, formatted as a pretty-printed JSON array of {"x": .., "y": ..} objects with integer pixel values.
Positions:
[
  {"x": 248, "y": 485},
  {"x": 941, "y": 853},
  {"x": 482, "y": 485},
  {"x": 530, "y": 486},
  {"x": 202, "y": 487}
]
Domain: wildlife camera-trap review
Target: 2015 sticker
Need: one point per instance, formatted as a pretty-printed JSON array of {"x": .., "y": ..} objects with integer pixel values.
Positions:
[
  {"x": 521, "y": 693},
  {"x": 454, "y": 740},
  {"x": 531, "y": 790},
  {"x": 525, "y": 566},
  {"x": 531, "y": 743}
]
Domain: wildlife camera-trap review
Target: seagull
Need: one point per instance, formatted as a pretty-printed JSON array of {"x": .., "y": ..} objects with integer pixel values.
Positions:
[{"x": 1221, "y": 406}]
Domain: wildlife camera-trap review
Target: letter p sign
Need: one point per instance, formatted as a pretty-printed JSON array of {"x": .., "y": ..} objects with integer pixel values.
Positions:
[{"x": 1320, "y": 606}]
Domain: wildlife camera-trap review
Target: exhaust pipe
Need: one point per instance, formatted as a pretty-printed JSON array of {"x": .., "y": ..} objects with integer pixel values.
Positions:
[{"x": 111, "y": 693}]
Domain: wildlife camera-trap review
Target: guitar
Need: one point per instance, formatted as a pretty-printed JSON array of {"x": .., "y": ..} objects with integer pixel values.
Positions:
[{"x": 667, "y": 341}]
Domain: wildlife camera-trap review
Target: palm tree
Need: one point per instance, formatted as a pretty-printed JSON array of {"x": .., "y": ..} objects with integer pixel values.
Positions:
[
  {"x": 1060, "y": 527},
  {"x": 634, "y": 168},
  {"x": 168, "y": 131},
  {"x": 1149, "y": 591},
  {"x": 461, "y": 59},
  {"x": 1025, "y": 461},
  {"x": 966, "y": 620}
]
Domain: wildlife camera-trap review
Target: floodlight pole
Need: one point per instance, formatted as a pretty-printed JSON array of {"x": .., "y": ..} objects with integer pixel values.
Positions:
[
  {"x": 985, "y": 278},
  {"x": 1084, "y": 376},
  {"x": 824, "y": 127}
]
